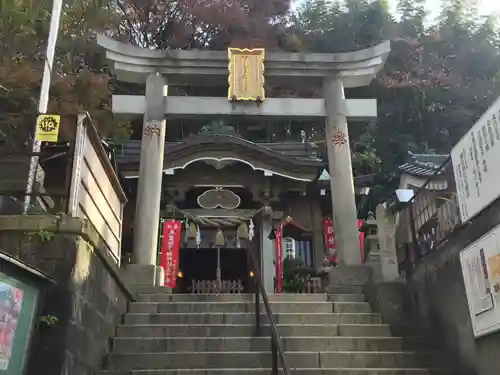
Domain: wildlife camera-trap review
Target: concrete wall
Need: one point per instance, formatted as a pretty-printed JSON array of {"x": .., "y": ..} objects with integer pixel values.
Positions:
[
  {"x": 88, "y": 300},
  {"x": 440, "y": 304}
]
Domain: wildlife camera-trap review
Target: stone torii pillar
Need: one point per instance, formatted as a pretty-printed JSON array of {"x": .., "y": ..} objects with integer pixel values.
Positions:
[
  {"x": 340, "y": 168},
  {"x": 144, "y": 270}
]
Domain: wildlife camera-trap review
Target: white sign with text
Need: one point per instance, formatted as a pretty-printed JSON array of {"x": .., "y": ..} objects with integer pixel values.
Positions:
[
  {"x": 480, "y": 264},
  {"x": 475, "y": 164}
]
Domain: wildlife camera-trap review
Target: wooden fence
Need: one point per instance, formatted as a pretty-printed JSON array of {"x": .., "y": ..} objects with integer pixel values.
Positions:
[
  {"x": 313, "y": 285},
  {"x": 96, "y": 193}
]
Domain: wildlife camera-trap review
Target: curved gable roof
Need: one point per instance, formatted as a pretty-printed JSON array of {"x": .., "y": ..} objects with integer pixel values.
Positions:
[
  {"x": 291, "y": 160},
  {"x": 423, "y": 165}
]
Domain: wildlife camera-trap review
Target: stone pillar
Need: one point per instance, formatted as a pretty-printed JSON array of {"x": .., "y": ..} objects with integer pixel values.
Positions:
[
  {"x": 373, "y": 259},
  {"x": 145, "y": 271},
  {"x": 386, "y": 232},
  {"x": 340, "y": 168},
  {"x": 267, "y": 255}
]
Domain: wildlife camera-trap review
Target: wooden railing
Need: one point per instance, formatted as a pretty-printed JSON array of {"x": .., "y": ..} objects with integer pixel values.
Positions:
[
  {"x": 277, "y": 350},
  {"x": 313, "y": 285},
  {"x": 51, "y": 189}
]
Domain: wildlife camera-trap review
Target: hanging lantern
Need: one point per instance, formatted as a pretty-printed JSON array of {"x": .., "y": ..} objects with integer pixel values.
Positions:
[
  {"x": 192, "y": 231},
  {"x": 243, "y": 231},
  {"x": 219, "y": 238}
]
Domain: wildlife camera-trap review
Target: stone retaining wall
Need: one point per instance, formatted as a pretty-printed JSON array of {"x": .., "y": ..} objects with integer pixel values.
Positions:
[
  {"x": 440, "y": 305},
  {"x": 88, "y": 300}
]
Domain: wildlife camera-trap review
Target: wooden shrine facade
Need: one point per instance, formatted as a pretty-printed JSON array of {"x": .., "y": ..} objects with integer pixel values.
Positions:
[{"x": 222, "y": 180}]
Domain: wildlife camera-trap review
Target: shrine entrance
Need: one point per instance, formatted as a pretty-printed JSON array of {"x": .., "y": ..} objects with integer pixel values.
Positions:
[
  {"x": 277, "y": 165},
  {"x": 213, "y": 271}
]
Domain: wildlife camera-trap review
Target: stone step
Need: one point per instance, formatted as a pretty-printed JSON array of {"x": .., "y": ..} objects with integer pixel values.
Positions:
[
  {"x": 344, "y": 289},
  {"x": 240, "y": 330},
  {"x": 247, "y": 307},
  {"x": 244, "y": 344},
  {"x": 163, "y": 297},
  {"x": 249, "y": 318},
  {"x": 267, "y": 371},
  {"x": 346, "y": 297},
  {"x": 204, "y": 360}
]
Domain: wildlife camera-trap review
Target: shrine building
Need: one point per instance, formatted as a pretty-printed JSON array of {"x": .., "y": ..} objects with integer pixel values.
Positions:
[{"x": 232, "y": 166}]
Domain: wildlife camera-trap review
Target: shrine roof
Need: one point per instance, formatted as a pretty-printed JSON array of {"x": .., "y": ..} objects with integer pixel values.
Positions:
[
  {"x": 292, "y": 159},
  {"x": 423, "y": 165}
]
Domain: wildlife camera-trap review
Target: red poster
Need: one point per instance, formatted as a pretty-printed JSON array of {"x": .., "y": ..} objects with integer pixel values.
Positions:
[
  {"x": 169, "y": 258},
  {"x": 279, "y": 258},
  {"x": 329, "y": 238},
  {"x": 11, "y": 300}
]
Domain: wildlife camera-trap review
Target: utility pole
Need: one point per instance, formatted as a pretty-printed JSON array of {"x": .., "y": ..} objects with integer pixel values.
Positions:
[{"x": 44, "y": 95}]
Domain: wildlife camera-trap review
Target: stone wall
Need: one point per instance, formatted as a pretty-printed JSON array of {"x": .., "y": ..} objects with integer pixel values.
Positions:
[
  {"x": 88, "y": 300},
  {"x": 440, "y": 304}
]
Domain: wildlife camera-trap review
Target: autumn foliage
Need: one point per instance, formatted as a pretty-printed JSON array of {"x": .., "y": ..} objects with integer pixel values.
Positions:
[
  {"x": 438, "y": 79},
  {"x": 198, "y": 24},
  {"x": 80, "y": 78}
]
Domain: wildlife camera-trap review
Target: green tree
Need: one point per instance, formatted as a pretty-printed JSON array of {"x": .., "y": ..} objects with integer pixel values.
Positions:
[
  {"x": 210, "y": 24},
  {"x": 413, "y": 16},
  {"x": 79, "y": 81},
  {"x": 436, "y": 82},
  {"x": 458, "y": 12},
  {"x": 326, "y": 26}
]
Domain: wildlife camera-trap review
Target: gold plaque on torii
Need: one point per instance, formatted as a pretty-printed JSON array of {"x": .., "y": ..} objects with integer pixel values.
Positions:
[{"x": 246, "y": 74}]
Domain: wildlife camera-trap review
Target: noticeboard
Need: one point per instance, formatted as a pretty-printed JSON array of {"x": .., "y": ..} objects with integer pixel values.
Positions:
[
  {"x": 474, "y": 160},
  {"x": 18, "y": 306},
  {"x": 480, "y": 264}
]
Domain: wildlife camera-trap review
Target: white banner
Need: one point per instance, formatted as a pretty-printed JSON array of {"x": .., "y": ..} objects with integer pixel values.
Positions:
[
  {"x": 289, "y": 246},
  {"x": 475, "y": 164},
  {"x": 481, "y": 271}
]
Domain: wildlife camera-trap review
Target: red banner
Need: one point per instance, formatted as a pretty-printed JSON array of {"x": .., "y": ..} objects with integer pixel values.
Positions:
[
  {"x": 329, "y": 238},
  {"x": 361, "y": 241},
  {"x": 279, "y": 258},
  {"x": 169, "y": 255}
]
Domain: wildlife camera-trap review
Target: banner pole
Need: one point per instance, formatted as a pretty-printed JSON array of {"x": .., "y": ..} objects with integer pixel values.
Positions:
[{"x": 43, "y": 101}]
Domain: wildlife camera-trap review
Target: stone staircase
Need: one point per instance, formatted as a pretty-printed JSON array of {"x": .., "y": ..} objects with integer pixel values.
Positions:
[{"x": 335, "y": 334}]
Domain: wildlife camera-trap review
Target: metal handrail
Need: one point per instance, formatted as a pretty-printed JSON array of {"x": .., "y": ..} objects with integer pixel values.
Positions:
[
  {"x": 276, "y": 342},
  {"x": 14, "y": 193}
]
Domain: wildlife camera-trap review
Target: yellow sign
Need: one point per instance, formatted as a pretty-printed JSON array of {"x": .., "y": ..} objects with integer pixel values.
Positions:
[
  {"x": 246, "y": 74},
  {"x": 47, "y": 128}
]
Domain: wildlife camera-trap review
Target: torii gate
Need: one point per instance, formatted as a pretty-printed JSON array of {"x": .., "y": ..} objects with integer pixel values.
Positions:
[{"x": 158, "y": 69}]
